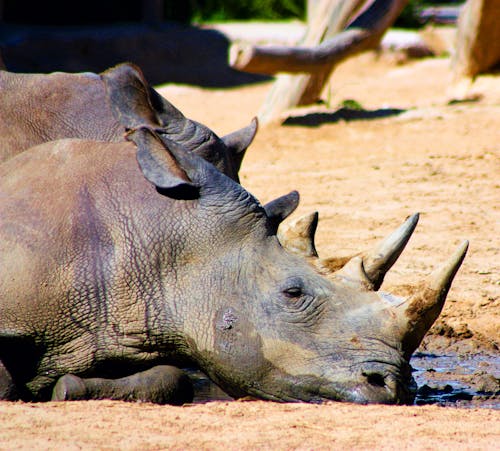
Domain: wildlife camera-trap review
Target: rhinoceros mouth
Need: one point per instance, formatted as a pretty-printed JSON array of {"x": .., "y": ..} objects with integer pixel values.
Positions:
[
  {"x": 307, "y": 388},
  {"x": 371, "y": 387}
]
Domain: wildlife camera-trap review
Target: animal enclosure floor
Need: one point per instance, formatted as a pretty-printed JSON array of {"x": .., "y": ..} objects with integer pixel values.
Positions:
[{"x": 408, "y": 150}]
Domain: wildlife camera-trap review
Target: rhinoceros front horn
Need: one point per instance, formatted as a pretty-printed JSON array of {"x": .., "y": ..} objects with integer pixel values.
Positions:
[{"x": 420, "y": 311}]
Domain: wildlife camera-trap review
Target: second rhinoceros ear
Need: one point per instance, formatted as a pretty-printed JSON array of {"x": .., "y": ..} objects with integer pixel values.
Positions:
[
  {"x": 279, "y": 209},
  {"x": 237, "y": 142},
  {"x": 136, "y": 103},
  {"x": 158, "y": 161},
  {"x": 129, "y": 96}
]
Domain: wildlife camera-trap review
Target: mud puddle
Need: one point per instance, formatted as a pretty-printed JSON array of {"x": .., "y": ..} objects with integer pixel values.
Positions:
[
  {"x": 447, "y": 380},
  {"x": 459, "y": 381}
]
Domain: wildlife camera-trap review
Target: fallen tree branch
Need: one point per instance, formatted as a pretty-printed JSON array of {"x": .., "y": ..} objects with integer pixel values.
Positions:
[
  {"x": 363, "y": 34},
  {"x": 271, "y": 60},
  {"x": 315, "y": 64}
]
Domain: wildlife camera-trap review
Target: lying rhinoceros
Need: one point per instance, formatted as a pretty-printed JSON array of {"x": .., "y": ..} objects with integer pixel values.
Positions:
[
  {"x": 37, "y": 108},
  {"x": 109, "y": 269}
]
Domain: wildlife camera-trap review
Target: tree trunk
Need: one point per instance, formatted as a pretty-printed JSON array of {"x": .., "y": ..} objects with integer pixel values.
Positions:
[
  {"x": 478, "y": 38},
  {"x": 341, "y": 14},
  {"x": 316, "y": 56}
]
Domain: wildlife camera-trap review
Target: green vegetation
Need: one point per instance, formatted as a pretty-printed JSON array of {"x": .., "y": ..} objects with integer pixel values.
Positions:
[
  {"x": 409, "y": 17},
  {"x": 351, "y": 104},
  {"x": 221, "y": 10},
  {"x": 200, "y": 11}
]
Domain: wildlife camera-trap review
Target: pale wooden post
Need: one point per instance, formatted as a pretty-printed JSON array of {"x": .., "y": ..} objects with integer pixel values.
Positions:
[
  {"x": 342, "y": 13},
  {"x": 478, "y": 38},
  {"x": 311, "y": 6},
  {"x": 288, "y": 90}
]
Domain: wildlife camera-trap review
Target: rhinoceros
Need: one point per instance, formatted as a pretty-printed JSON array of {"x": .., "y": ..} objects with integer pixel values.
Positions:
[
  {"x": 37, "y": 108},
  {"x": 155, "y": 257}
]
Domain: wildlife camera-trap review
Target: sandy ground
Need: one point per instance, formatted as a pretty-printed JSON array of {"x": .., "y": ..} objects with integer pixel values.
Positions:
[
  {"x": 364, "y": 174},
  {"x": 106, "y": 425}
]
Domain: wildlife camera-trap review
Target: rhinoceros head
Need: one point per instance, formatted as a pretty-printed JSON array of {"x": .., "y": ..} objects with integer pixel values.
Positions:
[
  {"x": 265, "y": 322},
  {"x": 135, "y": 103}
]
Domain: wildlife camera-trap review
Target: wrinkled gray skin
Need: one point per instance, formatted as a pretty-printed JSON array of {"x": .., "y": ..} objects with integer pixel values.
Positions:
[
  {"x": 110, "y": 269},
  {"x": 38, "y": 108}
]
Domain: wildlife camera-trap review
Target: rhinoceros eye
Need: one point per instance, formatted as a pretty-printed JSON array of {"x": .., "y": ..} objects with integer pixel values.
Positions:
[{"x": 293, "y": 292}]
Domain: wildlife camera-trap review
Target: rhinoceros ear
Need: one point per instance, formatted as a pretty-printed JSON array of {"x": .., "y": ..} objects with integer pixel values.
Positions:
[
  {"x": 129, "y": 96},
  {"x": 237, "y": 142},
  {"x": 158, "y": 162},
  {"x": 279, "y": 209},
  {"x": 165, "y": 111}
]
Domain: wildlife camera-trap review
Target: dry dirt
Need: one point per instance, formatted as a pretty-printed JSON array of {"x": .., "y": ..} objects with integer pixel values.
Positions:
[{"x": 365, "y": 172}]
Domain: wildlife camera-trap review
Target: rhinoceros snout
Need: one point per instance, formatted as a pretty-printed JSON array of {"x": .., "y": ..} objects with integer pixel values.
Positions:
[{"x": 380, "y": 387}]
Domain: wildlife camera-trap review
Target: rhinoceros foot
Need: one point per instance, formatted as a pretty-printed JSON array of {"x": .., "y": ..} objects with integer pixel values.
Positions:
[
  {"x": 8, "y": 390},
  {"x": 69, "y": 388},
  {"x": 161, "y": 384}
]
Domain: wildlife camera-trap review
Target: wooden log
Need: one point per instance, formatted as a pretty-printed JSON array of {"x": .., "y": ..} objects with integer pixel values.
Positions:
[
  {"x": 364, "y": 33},
  {"x": 329, "y": 19},
  {"x": 272, "y": 60},
  {"x": 478, "y": 38},
  {"x": 340, "y": 16},
  {"x": 326, "y": 19}
]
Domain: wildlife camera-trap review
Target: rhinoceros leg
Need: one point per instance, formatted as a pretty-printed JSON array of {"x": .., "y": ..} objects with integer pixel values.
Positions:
[
  {"x": 161, "y": 384},
  {"x": 8, "y": 390}
]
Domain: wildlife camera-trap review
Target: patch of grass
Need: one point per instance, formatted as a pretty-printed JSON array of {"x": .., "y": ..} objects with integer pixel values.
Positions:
[{"x": 351, "y": 104}]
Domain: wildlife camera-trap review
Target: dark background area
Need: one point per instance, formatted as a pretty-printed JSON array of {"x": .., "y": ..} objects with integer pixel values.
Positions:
[
  {"x": 94, "y": 12},
  {"x": 160, "y": 36}
]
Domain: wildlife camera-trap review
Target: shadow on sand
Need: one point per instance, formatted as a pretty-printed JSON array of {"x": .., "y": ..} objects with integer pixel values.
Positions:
[
  {"x": 167, "y": 53},
  {"x": 342, "y": 114}
]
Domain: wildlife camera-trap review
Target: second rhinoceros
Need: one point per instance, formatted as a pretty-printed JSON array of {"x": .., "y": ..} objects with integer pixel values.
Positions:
[
  {"x": 112, "y": 268},
  {"x": 37, "y": 108}
]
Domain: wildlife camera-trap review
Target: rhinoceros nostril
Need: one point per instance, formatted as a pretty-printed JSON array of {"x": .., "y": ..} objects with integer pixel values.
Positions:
[{"x": 375, "y": 379}]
